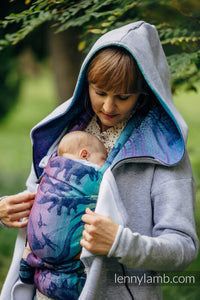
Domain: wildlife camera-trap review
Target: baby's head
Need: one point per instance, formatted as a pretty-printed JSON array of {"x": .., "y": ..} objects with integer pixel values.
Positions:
[{"x": 82, "y": 145}]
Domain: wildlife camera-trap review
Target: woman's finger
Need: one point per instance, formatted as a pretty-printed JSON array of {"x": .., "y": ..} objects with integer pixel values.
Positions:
[
  {"x": 20, "y": 207},
  {"x": 86, "y": 227},
  {"x": 90, "y": 212},
  {"x": 85, "y": 244},
  {"x": 86, "y": 236},
  {"x": 19, "y": 215},
  {"x": 91, "y": 217},
  {"x": 16, "y": 207},
  {"x": 19, "y": 198},
  {"x": 88, "y": 219},
  {"x": 19, "y": 224}
]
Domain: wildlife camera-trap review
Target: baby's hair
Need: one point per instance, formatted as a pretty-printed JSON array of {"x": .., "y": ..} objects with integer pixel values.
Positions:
[
  {"x": 68, "y": 145},
  {"x": 115, "y": 69}
]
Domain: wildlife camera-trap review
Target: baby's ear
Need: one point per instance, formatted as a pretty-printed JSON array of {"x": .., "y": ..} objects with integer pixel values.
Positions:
[{"x": 83, "y": 154}]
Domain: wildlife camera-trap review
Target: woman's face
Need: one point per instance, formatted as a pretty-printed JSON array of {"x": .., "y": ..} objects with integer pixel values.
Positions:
[{"x": 109, "y": 107}]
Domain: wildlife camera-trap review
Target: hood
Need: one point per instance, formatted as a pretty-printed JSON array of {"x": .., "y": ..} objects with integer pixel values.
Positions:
[{"x": 142, "y": 41}]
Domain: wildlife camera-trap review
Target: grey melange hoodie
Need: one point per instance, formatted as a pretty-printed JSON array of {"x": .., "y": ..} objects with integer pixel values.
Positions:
[
  {"x": 156, "y": 193},
  {"x": 148, "y": 191}
]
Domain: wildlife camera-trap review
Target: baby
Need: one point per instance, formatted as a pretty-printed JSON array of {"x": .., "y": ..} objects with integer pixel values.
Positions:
[
  {"x": 82, "y": 145},
  {"x": 70, "y": 184}
]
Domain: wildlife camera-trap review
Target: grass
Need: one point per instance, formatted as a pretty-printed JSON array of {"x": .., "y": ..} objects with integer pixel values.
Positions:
[{"x": 36, "y": 100}]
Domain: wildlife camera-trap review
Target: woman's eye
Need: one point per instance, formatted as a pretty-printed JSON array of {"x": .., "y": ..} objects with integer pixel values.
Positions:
[
  {"x": 100, "y": 93},
  {"x": 123, "y": 97}
]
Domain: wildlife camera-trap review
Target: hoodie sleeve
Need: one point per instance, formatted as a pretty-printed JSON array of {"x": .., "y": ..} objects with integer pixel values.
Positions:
[{"x": 173, "y": 244}]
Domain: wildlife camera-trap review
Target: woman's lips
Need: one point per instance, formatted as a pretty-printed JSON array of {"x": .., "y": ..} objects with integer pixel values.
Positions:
[{"x": 108, "y": 116}]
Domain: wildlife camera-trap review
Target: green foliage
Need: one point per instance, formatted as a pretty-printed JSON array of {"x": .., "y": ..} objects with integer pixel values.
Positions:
[
  {"x": 177, "y": 23},
  {"x": 10, "y": 80}
]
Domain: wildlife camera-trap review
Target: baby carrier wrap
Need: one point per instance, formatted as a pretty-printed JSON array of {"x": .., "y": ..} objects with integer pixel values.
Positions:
[{"x": 55, "y": 226}]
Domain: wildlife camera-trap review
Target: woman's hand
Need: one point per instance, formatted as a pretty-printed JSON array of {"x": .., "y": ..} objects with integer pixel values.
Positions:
[
  {"x": 99, "y": 232},
  {"x": 15, "y": 207}
]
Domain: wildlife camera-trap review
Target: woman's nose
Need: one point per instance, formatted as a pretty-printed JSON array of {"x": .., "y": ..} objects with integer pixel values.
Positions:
[{"x": 109, "y": 105}]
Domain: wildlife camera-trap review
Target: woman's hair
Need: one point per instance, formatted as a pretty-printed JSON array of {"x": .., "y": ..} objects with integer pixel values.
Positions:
[{"x": 114, "y": 69}]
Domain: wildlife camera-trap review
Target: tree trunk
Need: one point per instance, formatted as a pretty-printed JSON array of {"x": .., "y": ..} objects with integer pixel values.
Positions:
[{"x": 66, "y": 60}]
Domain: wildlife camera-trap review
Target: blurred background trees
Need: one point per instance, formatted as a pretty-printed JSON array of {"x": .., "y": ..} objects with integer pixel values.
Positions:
[
  {"x": 66, "y": 29},
  {"x": 37, "y": 35}
]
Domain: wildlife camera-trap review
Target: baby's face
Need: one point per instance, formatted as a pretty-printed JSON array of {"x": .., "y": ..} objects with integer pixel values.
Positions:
[{"x": 98, "y": 155}]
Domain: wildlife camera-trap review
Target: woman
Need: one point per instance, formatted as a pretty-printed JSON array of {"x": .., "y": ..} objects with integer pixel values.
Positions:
[{"x": 144, "y": 220}]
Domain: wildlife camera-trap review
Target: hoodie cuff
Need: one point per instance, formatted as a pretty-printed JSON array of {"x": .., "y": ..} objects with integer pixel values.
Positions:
[{"x": 116, "y": 241}]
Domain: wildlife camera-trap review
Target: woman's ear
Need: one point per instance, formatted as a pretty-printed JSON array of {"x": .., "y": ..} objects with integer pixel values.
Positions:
[{"x": 83, "y": 154}]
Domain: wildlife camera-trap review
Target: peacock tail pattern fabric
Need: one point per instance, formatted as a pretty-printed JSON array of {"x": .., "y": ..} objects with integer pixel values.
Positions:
[
  {"x": 154, "y": 136},
  {"x": 55, "y": 226},
  {"x": 66, "y": 189}
]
